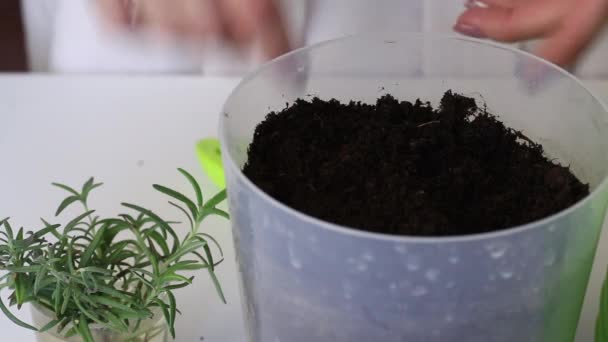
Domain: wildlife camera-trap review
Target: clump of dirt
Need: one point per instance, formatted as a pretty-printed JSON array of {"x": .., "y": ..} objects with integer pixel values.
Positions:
[{"x": 405, "y": 168}]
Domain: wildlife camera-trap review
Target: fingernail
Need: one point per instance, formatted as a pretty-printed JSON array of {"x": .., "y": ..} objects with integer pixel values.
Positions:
[
  {"x": 469, "y": 30},
  {"x": 476, "y": 4}
]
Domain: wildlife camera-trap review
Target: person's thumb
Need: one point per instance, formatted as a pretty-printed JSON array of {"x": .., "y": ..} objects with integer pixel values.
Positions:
[{"x": 527, "y": 20}]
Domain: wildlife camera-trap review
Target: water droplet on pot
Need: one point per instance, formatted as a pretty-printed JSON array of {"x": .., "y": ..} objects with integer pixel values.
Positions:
[
  {"x": 450, "y": 285},
  {"x": 432, "y": 275},
  {"x": 368, "y": 256},
  {"x": 550, "y": 258},
  {"x": 419, "y": 291},
  {"x": 400, "y": 249},
  {"x": 301, "y": 69},
  {"x": 293, "y": 258},
  {"x": 449, "y": 318},
  {"x": 362, "y": 267},
  {"x": 497, "y": 250},
  {"x": 552, "y": 228},
  {"x": 392, "y": 286},
  {"x": 506, "y": 274},
  {"x": 413, "y": 264},
  {"x": 453, "y": 259},
  {"x": 295, "y": 263}
]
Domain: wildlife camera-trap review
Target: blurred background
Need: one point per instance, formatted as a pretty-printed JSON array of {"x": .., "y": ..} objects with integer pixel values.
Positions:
[{"x": 70, "y": 36}]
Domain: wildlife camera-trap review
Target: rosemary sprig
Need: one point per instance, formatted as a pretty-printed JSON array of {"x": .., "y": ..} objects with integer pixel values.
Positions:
[{"x": 84, "y": 274}]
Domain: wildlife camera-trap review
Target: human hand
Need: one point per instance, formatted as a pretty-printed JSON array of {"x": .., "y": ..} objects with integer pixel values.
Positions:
[
  {"x": 567, "y": 27},
  {"x": 239, "y": 22}
]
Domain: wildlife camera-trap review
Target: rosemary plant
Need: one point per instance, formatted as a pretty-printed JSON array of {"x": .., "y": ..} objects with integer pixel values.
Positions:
[{"x": 86, "y": 275}]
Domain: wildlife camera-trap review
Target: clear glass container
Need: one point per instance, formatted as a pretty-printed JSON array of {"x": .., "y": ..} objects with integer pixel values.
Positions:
[
  {"x": 304, "y": 280},
  {"x": 152, "y": 330}
]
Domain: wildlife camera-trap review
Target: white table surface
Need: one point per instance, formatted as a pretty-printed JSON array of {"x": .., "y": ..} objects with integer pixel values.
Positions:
[{"x": 131, "y": 132}]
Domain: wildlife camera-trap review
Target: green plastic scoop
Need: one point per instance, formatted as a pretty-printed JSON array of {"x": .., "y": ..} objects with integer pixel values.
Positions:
[{"x": 210, "y": 157}]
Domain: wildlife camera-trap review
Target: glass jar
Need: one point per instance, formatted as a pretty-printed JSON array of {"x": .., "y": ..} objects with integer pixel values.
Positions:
[{"x": 151, "y": 330}]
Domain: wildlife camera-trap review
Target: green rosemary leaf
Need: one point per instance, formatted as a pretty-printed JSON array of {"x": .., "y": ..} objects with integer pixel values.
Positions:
[
  {"x": 57, "y": 297},
  {"x": 185, "y": 249},
  {"x": 131, "y": 314},
  {"x": 85, "y": 311},
  {"x": 84, "y": 260},
  {"x": 165, "y": 309},
  {"x": 142, "y": 279},
  {"x": 19, "y": 234},
  {"x": 185, "y": 265},
  {"x": 163, "y": 224},
  {"x": 195, "y": 186},
  {"x": 118, "y": 324},
  {"x": 50, "y": 325},
  {"x": 218, "y": 212},
  {"x": 88, "y": 187},
  {"x": 180, "y": 197},
  {"x": 40, "y": 275},
  {"x": 45, "y": 282},
  {"x": 9, "y": 230},
  {"x": 172, "y": 312},
  {"x": 215, "y": 200},
  {"x": 12, "y": 317},
  {"x": 113, "y": 292},
  {"x": 185, "y": 213},
  {"x": 20, "y": 289},
  {"x": 48, "y": 228},
  {"x": 179, "y": 285},
  {"x": 116, "y": 305},
  {"x": 67, "y": 294},
  {"x": 209, "y": 256},
  {"x": 66, "y": 188},
  {"x": 159, "y": 241},
  {"x": 23, "y": 269},
  {"x": 66, "y": 203},
  {"x": 217, "y": 285},
  {"x": 209, "y": 237},
  {"x": 83, "y": 329},
  {"x": 75, "y": 221},
  {"x": 147, "y": 252}
]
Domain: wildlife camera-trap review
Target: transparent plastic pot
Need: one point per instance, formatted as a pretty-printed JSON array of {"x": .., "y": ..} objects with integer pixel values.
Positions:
[{"x": 303, "y": 279}]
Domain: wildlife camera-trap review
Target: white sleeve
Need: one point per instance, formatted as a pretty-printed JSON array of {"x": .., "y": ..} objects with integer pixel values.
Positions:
[
  {"x": 80, "y": 43},
  {"x": 38, "y": 20}
]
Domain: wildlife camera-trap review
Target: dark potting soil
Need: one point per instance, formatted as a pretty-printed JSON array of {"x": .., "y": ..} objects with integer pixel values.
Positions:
[{"x": 406, "y": 168}]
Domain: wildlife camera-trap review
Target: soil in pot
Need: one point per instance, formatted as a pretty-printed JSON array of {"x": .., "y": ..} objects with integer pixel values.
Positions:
[{"x": 405, "y": 168}]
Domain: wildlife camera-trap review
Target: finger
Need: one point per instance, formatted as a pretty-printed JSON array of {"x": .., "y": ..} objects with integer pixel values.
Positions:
[
  {"x": 490, "y": 3},
  {"x": 114, "y": 12},
  {"x": 493, "y": 3},
  {"x": 200, "y": 19},
  {"x": 155, "y": 15},
  {"x": 525, "y": 21},
  {"x": 273, "y": 34},
  {"x": 577, "y": 32},
  {"x": 240, "y": 19}
]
